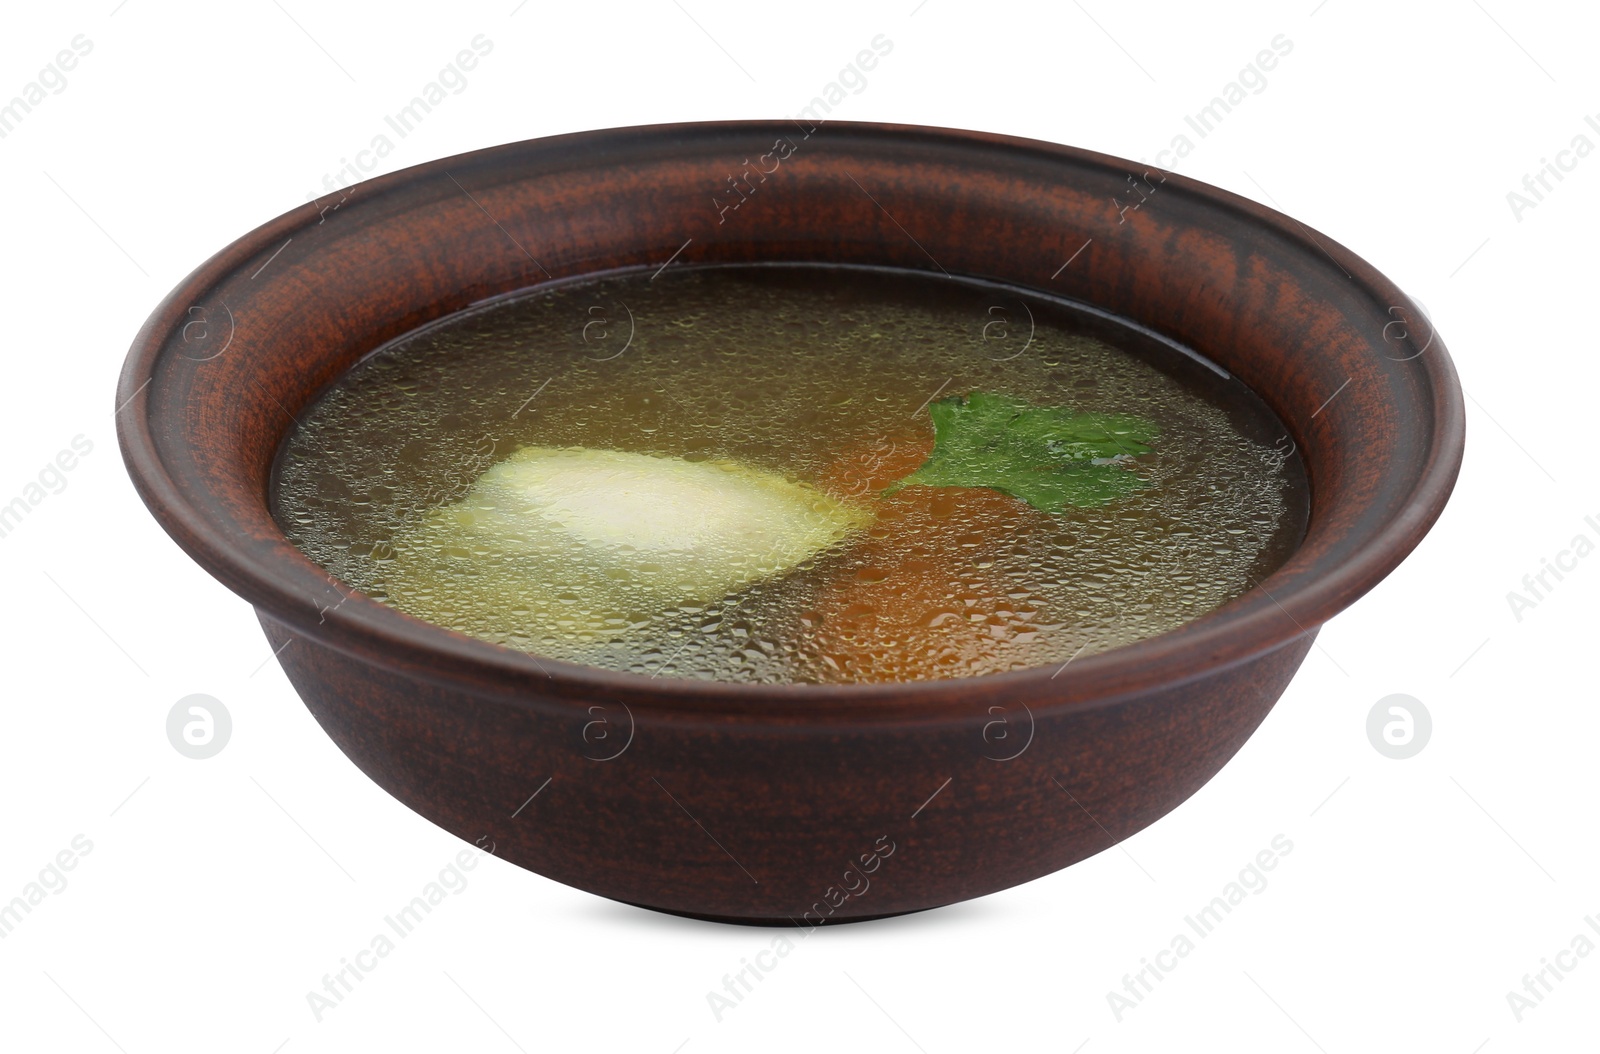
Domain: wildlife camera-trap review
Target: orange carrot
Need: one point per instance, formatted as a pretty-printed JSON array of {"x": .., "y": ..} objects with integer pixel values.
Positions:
[
  {"x": 914, "y": 601},
  {"x": 869, "y": 468}
]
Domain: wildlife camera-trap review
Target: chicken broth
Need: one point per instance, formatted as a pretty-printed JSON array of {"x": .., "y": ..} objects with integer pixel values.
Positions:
[{"x": 792, "y": 473}]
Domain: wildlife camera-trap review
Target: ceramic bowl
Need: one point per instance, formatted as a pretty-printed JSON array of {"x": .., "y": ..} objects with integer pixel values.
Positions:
[{"x": 791, "y": 804}]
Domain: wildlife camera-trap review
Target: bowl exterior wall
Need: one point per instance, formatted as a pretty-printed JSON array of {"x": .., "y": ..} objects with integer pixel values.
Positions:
[{"x": 779, "y": 824}]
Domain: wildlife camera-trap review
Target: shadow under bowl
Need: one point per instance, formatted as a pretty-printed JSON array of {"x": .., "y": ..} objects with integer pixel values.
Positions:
[{"x": 766, "y": 804}]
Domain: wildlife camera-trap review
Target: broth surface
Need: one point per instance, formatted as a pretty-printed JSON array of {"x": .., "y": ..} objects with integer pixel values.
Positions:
[{"x": 813, "y": 384}]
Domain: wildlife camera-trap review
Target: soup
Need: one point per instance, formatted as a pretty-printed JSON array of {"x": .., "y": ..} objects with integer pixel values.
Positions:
[{"x": 792, "y": 473}]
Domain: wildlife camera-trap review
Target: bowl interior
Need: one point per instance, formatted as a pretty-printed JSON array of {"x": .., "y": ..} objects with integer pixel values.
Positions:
[{"x": 1364, "y": 387}]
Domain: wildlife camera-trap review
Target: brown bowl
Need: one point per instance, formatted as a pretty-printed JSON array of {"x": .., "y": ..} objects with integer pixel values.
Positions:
[{"x": 792, "y": 803}]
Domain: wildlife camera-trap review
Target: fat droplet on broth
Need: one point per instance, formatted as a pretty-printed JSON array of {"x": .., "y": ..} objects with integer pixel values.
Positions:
[{"x": 812, "y": 374}]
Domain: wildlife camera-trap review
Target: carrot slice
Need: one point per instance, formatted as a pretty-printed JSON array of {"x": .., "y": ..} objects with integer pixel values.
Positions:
[
  {"x": 916, "y": 596},
  {"x": 871, "y": 467}
]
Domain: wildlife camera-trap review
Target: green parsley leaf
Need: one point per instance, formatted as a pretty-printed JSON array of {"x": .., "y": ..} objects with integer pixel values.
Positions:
[{"x": 1049, "y": 457}]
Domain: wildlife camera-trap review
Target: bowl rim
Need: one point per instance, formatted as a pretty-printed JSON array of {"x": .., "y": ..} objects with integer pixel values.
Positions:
[{"x": 375, "y": 632}]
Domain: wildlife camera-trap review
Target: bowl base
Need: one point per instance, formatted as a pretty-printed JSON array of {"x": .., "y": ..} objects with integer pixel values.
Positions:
[{"x": 738, "y": 920}]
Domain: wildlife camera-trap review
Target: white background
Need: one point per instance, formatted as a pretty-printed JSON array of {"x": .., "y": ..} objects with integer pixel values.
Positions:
[{"x": 219, "y": 892}]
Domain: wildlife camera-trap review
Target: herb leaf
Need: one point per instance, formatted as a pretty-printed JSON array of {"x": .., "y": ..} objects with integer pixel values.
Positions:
[{"x": 1049, "y": 457}]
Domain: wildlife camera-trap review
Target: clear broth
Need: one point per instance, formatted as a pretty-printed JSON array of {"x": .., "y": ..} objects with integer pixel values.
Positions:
[{"x": 823, "y": 375}]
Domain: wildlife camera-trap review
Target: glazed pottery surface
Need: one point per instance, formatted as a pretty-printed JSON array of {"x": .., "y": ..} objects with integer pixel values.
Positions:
[{"x": 794, "y": 803}]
